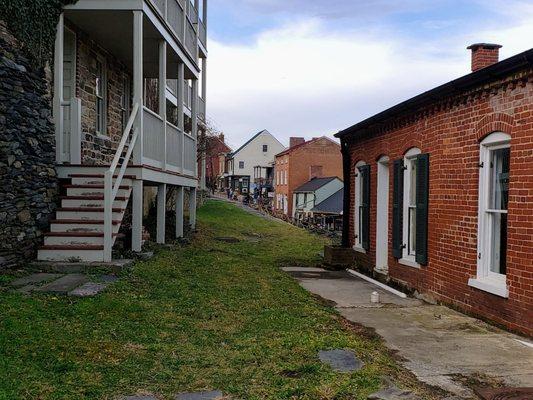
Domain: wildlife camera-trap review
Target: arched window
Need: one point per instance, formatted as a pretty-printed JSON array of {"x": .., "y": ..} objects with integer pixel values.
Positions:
[
  {"x": 494, "y": 157},
  {"x": 362, "y": 207}
]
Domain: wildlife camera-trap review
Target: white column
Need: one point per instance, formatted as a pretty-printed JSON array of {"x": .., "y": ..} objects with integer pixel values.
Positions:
[
  {"x": 58, "y": 89},
  {"x": 194, "y": 118},
  {"x": 162, "y": 96},
  {"x": 161, "y": 212},
  {"x": 180, "y": 98},
  {"x": 179, "y": 211},
  {"x": 204, "y": 13},
  {"x": 137, "y": 216},
  {"x": 138, "y": 82},
  {"x": 204, "y": 82},
  {"x": 192, "y": 207}
]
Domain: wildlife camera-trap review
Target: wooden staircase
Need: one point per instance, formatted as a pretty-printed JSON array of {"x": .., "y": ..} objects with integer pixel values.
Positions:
[{"x": 77, "y": 233}]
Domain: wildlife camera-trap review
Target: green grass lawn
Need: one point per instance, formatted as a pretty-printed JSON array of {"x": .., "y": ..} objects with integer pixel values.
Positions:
[{"x": 210, "y": 315}]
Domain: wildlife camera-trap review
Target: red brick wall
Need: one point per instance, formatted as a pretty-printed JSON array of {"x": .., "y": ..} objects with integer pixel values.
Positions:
[
  {"x": 319, "y": 155},
  {"x": 451, "y": 132}
]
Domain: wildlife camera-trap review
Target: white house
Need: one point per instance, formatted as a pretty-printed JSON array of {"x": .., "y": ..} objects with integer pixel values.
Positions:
[
  {"x": 312, "y": 193},
  {"x": 259, "y": 151}
]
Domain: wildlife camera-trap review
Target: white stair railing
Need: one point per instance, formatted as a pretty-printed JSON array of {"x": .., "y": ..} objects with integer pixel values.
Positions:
[{"x": 110, "y": 189}]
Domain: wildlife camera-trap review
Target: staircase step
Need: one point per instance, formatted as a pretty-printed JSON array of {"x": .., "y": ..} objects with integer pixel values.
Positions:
[
  {"x": 118, "y": 198},
  {"x": 71, "y": 253},
  {"x": 73, "y": 247},
  {"x": 94, "y": 190},
  {"x": 99, "y": 176},
  {"x": 75, "y": 238},
  {"x": 125, "y": 187},
  {"x": 82, "y": 221}
]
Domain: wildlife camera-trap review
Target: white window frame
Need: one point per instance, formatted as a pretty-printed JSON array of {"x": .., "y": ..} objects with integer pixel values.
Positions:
[
  {"x": 358, "y": 187},
  {"x": 408, "y": 256},
  {"x": 103, "y": 131},
  {"x": 485, "y": 279}
]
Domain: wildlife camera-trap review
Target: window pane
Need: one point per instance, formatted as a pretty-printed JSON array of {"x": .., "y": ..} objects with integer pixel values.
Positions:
[
  {"x": 499, "y": 179},
  {"x": 412, "y": 231},
  {"x": 498, "y": 246},
  {"x": 412, "y": 186}
]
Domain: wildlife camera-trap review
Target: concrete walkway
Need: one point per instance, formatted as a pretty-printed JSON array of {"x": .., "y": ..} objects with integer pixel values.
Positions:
[{"x": 440, "y": 346}]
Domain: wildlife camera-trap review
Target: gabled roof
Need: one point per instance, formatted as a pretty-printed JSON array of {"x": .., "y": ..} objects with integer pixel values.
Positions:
[
  {"x": 315, "y": 184},
  {"x": 332, "y": 205},
  {"x": 291, "y": 149},
  {"x": 231, "y": 155},
  {"x": 488, "y": 74}
]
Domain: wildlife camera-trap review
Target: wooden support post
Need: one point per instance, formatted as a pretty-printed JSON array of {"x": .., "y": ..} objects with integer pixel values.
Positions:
[
  {"x": 192, "y": 207},
  {"x": 163, "y": 96},
  {"x": 161, "y": 212},
  {"x": 58, "y": 89},
  {"x": 180, "y": 192},
  {"x": 138, "y": 82},
  {"x": 181, "y": 119},
  {"x": 137, "y": 216}
]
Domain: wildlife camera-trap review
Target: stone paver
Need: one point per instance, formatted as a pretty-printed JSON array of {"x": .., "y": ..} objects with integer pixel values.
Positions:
[
  {"x": 437, "y": 344},
  {"x": 88, "y": 289},
  {"x": 34, "y": 279},
  {"x": 64, "y": 284},
  {"x": 393, "y": 393},
  {"x": 210, "y": 395},
  {"x": 341, "y": 360}
]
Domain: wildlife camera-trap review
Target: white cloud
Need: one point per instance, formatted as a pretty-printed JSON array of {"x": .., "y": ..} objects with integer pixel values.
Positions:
[{"x": 303, "y": 80}]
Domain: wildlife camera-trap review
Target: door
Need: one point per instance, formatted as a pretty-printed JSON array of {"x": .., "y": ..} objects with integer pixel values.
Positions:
[
  {"x": 69, "y": 90},
  {"x": 382, "y": 220}
]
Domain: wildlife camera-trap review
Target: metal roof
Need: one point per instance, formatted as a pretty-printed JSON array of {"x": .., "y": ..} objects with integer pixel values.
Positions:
[
  {"x": 314, "y": 184},
  {"x": 332, "y": 205}
]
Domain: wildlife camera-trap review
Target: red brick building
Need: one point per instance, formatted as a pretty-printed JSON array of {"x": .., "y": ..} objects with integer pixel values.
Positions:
[
  {"x": 216, "y": 151},
  {"x": 439, "y": 190},
  {"x": 302, "y": 161}
]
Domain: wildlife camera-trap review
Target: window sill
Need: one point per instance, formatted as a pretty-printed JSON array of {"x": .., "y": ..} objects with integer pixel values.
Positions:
[
  {"x": 408, "y": 262},
  {"x": 359, "y": 249},
  {"x": 490, "y": 286}
]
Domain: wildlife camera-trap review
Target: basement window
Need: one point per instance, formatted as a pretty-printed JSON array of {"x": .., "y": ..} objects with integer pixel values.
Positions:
[{"x": 495, "y": 154}]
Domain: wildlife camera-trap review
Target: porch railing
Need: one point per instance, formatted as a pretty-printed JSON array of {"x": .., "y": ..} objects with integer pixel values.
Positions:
[
  {"x": 153, "y": 139},
  {"x": 182, "y": 17},
  {"x": 110, "y": 189},
  {"x": 189, "y": 155},
  {"x": 201, "y": 108},
  {"x": 174, "y": 148}
]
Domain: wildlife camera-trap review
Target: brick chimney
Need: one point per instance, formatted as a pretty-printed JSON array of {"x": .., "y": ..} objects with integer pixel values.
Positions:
[
  {"x": 221, "y": 137},
  {"x": 295, "y": 141},
  {"x": 484, "y": 55}
]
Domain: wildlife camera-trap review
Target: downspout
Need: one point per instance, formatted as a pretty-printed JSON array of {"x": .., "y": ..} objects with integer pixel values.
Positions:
[{"x": 346, "y": 166}]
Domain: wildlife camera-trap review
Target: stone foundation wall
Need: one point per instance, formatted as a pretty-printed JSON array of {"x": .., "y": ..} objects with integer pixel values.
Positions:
[{"x": 27, "y": 154}]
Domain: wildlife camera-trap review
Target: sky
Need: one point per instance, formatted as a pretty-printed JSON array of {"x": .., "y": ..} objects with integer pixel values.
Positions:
[{"x": 314, "y": 67}]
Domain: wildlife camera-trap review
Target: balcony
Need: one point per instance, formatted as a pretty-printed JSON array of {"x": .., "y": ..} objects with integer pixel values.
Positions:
[{"x": 182, "y": 17}]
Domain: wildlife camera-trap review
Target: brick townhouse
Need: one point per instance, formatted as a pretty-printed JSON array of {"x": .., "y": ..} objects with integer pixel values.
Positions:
[
  {"x": 216, "y": 151},
  {"x": 439, "y": 190},
  {"x": 301, "y": 162}
]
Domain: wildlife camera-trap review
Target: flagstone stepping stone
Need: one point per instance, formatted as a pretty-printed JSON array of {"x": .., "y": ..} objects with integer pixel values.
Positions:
[
  {"x": 340, "y": 360},
  {"x": 88, "y": 289},
  {"x": 64, "y": 284},
  {"x": 34, "y": 279},
  {"x": 212, "y": 395},
  {"x": 393, "y": 393}
]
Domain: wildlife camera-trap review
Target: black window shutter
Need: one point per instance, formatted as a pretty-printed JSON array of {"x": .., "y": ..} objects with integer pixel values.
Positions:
[
  {"x": 397, "y": 210},
  {"x": 422, "y": 201},
  {"x": 365, "y": 203}
]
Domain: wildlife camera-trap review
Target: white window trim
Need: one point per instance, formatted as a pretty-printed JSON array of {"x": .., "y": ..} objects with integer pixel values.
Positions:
[
  {"x": 358, "y": 246},
  {"x": 407, "y": 259},
  {"x": 103, "y": 133},
  {"x": 487, "y": 280}
]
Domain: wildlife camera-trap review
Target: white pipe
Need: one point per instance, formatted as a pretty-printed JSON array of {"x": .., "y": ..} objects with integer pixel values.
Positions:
[{"x": 377, "y": 283}]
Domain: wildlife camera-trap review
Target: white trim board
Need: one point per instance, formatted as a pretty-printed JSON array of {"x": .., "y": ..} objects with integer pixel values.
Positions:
[{"x": 377, "y": 283}]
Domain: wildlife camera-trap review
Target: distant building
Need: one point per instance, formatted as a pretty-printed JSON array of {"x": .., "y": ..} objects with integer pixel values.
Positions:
[
  {"x": 328, "y": 213},
  {"x": 439, "y": 190},
  {"x": 216, "y": 152},
  {"x": 302, "y": 161},
  {"x": 311, "y": 194},
  {"x": 258, "y": 152}
]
